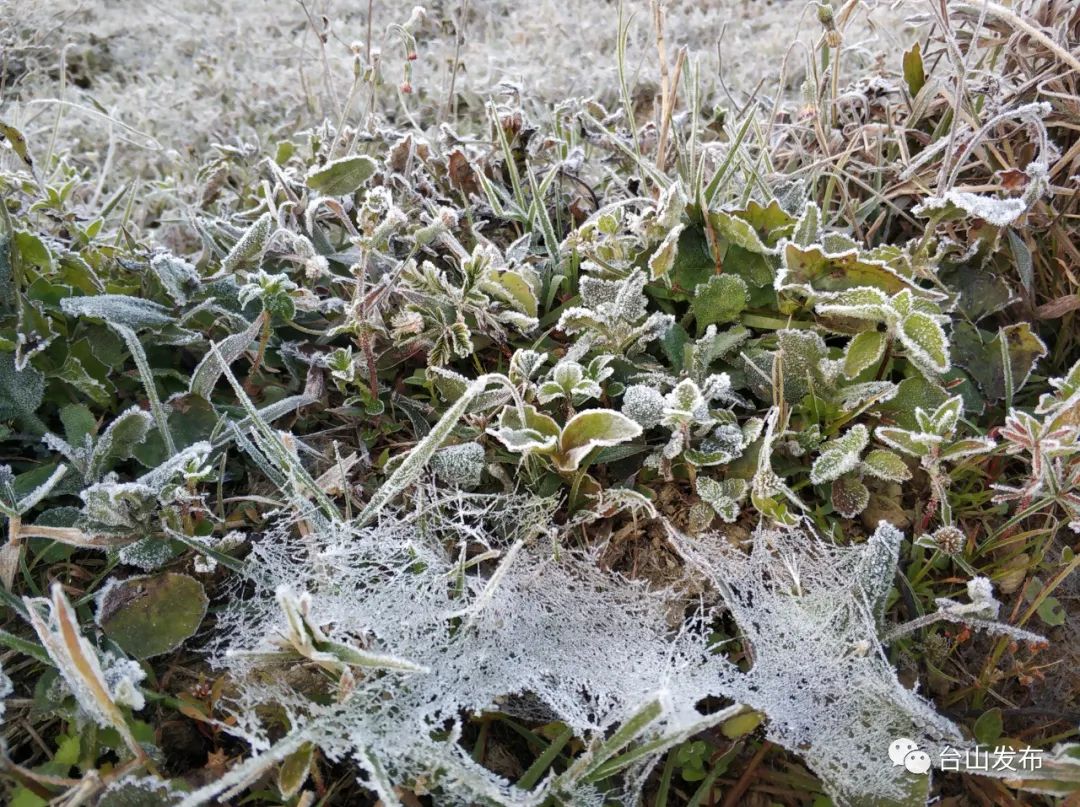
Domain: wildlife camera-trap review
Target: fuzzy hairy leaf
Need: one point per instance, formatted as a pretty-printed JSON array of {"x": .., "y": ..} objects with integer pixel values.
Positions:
[
  {"x": 886, "y": 465},
  {"x": 719, "y": 301},
  {"x": 840, "y": 456}
]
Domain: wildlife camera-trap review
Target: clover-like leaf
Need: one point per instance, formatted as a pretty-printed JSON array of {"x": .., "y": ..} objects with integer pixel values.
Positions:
[{"x": 723, "y": 496}]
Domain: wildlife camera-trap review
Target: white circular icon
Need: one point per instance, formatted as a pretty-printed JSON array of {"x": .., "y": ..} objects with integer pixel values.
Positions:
[
  {"x": 900, "y": 748},
  {"x": 917, "y": 762}
]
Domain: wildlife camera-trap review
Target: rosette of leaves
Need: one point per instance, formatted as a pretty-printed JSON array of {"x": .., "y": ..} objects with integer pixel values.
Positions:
[
  {"x": 483, "y": 295},
  {"x": 841, "y": 463},
  {"x": 346, "y": 373},
  {"x": 526, "y": 430},
  {"x": 613, "y": 316},
  {"x": 574, "y": 383},
  {"x": 935, "y": 443},
  {"x": 604, "y": 240},
  {"x": 724, "y": 496},
  {"x": 913, "y": 321},
  {"x": 702, "y": 435}
]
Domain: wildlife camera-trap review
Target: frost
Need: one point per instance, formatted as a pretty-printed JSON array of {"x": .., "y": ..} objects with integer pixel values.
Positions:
[
  {"x": 460, "y": 465},
  {"x": 613, "y": 315},
  {"x": 119, "y": 308},
  {"x": 97, "y": 689},
  {"x": 809, "y": 612},
  {"x": 993, "y": 210},
  {"x": 6, "y": 689},
  {"x": 644, "y": 405},
  {"x": 178, "y": 277},
  {"x": 840, "y": 456}
]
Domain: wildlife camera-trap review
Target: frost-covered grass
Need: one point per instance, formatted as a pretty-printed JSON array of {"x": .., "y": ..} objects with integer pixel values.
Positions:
[{"x": 670, "y": 443}]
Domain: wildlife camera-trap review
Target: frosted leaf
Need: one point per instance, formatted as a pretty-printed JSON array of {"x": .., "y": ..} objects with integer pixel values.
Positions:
[
  {"x": 119, "y": 439},
  {"x": 992, "y": 210},
  {"x": 524, "y": 364},
  {"x": 643, "y": 404},
  {"x": 21, "y": 393},
  {"x": 147, "y": 554},
  {"x": 801, "y": 353},
  {"x": 840, "y": 456},
  {"x": 849, "y": 496},
  {"x": 723, "y": 496},
  {"x": 685, "y": 405},
  {"x": 926, "y": 343},
  {"x": 885, "y": 465},
  {"x": 178, "y": 277},
  {"x": 118, "y": 507},
  {"x": 134, "y": 312},
  {"x": 122, "y": 676},
  {"x": 6, "y": 689},
  {"x": 460, "y": 465},
  {"x": 250, "y": 245},
  {"x": 662, "y": 260},
  {"x": 96, "y": 691}
]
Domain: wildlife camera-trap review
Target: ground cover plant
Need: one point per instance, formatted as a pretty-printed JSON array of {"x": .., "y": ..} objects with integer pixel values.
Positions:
[{"x": 671, "y": 449}]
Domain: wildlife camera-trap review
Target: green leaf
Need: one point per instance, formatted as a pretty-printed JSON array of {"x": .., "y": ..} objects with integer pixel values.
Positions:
[
  {"x": 79, "y": 423},
  {"x": 74, "y": 373},
  {"x": 1051, "y": 612},
  {"x": 916, "y": 444},
  {"x": 21, "y": 393},
  {"x": 587, "y": 430},
  {"x": 863, "y": 351},
  {"x": 719, "y": 301},
  {"x": 915, "y": 391},
  {"x": 735, "y": 727},
  {"x": 134, "y": 312},
  {"x": 984, "y": 357},
  {"x": 737, "y": 231},
  {"x": 148, "y": 616},
  {"x": 294, "y": 770},
  {"x": 914, "y": 75},
  {"x": 119, "y": 440},
  {"x": 988, "y": 727},
  {"x": 342, "y": 176},
  {"x": 886, "y": 465},
  {"x": 926, "y": 343},
  {"x": 815, "y": 268},
  {"x": 839, "y": 456}
]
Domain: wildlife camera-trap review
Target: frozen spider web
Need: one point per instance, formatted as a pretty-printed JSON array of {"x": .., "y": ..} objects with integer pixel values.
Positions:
[{"x": 468, "y": 604}]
